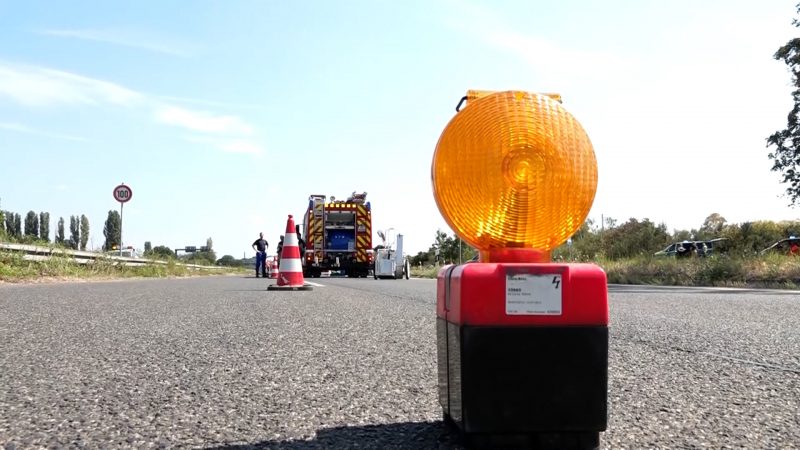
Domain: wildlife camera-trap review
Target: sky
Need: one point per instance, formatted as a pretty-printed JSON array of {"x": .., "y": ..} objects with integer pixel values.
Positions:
[{"x": 223, "y": 117}]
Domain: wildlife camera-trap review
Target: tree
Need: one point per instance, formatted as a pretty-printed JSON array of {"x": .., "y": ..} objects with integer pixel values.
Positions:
[
  {"x": 447, "y": 247},
  {"x": 610, "y": 223},
  {"x": 634, "y": 238},
  {"x": 587, "y": 244},
  {"x": 790, "y": 228},
  {"x": 74, "y": 232},
  {"x": 202, "y": 257},
  {"x": 786, "y": 142},
  {"x": 112, "y": 230},
  {"x": 17, "y": 225},
  {"x": 9, "y": 220},
  {"x": 148, "y": 248},
  {"x": 712, "y": 226},
  {"x": 682, "y": 235},
  {"x": 2, "y": 223},
  {"x": 426, "y": 258},
  {"x": 60, "y": 231},
  {"x": 32, "y": 225},
  {"x": 228, "y": 261},
  {"x": 449, "y": 250},
  {"x": 44, "y": 226},
  {"x": 749, "y": 238},
  {"x": 467, "y": 252},
  {"x": 84, "y": 231},
  {"x": 163, "y": 252}
]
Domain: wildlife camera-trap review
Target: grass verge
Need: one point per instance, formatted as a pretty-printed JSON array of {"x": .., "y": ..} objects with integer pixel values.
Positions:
[
  {"x": 425, "y": 271},
  {"x": 15, "y": 269},
  {"x": 772, "y": 271}
]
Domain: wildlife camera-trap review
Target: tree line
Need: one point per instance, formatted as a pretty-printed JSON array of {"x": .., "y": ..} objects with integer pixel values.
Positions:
[
  {"x": 36, "y": 229},
  {"x": 636, "y": 238},
  {"x": 444, "y": 250},
  {"x": 611, "y": 240},
  {"x": 204, "y": 256}
]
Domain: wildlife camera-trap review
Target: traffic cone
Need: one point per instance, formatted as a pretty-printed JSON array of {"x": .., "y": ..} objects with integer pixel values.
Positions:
[
  {"x": 273, "y": 267},
  {"x": 290, "y": 272}
]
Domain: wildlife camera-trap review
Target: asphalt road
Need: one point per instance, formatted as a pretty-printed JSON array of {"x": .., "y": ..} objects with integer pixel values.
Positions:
[{"x": 221, "y": 362}]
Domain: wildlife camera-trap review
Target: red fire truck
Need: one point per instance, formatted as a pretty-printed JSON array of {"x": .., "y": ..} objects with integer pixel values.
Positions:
[{"x": 338, "y": 235}]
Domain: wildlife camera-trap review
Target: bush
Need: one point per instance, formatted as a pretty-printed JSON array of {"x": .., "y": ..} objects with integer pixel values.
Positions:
[
  {"x": 162, "y": 252},
  {"x": 229, "y": 261},
  {"x": 430, "y": 271},
  {"x": 771, "y": 271}
]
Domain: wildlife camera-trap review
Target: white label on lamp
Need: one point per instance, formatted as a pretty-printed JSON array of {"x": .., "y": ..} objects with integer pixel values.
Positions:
[{"x": 533, "y": 294}]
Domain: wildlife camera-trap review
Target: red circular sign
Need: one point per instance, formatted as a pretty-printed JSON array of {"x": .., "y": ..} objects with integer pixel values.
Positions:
[{"x": 122, "y": 193}]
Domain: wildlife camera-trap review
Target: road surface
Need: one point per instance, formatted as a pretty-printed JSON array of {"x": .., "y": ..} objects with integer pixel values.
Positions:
[{"x": 221, "y": 362}]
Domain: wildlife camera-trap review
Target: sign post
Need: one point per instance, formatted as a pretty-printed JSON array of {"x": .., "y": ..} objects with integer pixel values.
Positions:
[{"x": 122, "y": 194}]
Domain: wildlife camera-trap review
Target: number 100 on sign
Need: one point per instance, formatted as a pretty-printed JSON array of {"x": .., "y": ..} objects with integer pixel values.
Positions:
[{"x": 122, "y": 193}]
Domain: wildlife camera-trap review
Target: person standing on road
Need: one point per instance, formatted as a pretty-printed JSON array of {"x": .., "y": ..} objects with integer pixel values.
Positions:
[
  {"x": 260, "y": 246},
  {"x": 301, "y": 244},
  {"x": 279, "y": 249}
]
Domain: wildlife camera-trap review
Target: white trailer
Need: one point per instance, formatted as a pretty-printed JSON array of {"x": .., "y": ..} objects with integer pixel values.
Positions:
[{"x": 391, "y": 263}]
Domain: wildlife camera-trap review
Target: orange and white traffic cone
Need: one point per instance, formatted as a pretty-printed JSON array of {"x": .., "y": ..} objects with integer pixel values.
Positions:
[
  {"x": 273, "y": 267},
  {"x": 290, "y": 272}
]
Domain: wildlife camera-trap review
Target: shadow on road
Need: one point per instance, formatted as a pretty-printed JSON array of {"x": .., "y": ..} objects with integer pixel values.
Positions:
[
  {"x": 263, "y": 289},
  {"x": 406, "y": 435}
]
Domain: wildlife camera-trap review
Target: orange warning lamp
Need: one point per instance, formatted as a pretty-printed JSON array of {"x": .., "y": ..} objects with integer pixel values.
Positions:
[{"x": 514, "y": 175}]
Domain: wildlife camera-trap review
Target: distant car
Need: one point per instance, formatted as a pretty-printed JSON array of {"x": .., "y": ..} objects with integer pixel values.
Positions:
[
  {"x": 125, "y": 253},
  {"x": 677, "y": 249},
  {"x": 691, "y": 248},
  {"x": 785, "y": 246}
]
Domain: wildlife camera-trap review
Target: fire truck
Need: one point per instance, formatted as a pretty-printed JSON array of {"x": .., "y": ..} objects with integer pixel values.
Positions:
[{"x": 338, "y": 235}]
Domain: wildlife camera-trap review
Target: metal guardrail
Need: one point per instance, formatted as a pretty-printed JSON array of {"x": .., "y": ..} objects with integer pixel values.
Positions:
[{"x": 38, "y": 253}]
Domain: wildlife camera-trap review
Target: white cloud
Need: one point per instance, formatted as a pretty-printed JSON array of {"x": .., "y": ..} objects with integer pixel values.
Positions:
[
  {"x": 128, "y": 38},
  {"x": 17, "y": 127},
  {"x": 37, "y": 87},
  {"x": 40, "y": 86},
  {"x": 202, "y": 121},
  {"x": 211, "y": 103}
]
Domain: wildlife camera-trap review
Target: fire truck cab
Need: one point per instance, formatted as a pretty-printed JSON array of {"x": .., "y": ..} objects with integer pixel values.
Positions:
[{"x": 338, "y": 236}]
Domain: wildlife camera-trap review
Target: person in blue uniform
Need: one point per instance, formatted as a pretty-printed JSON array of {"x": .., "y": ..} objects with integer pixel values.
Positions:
[{"x": 260, "y": 246}]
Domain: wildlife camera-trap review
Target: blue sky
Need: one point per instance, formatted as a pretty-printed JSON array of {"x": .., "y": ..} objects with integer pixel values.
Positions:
[{"x": 224, "y": 117}]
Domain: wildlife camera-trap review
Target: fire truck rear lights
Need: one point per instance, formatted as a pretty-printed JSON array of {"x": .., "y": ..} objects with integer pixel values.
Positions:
[{"x": 514, "y": 169}]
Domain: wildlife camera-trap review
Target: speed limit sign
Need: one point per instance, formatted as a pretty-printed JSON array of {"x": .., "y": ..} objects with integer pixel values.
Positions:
[{"x": 122, "y": 193}]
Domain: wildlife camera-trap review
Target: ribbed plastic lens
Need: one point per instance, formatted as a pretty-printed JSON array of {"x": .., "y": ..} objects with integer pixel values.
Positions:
[{"x": 514, "y": 170}]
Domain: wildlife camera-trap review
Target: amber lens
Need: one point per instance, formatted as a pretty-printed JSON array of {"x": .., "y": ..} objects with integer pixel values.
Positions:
[{"x": 514, "y": 169}]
